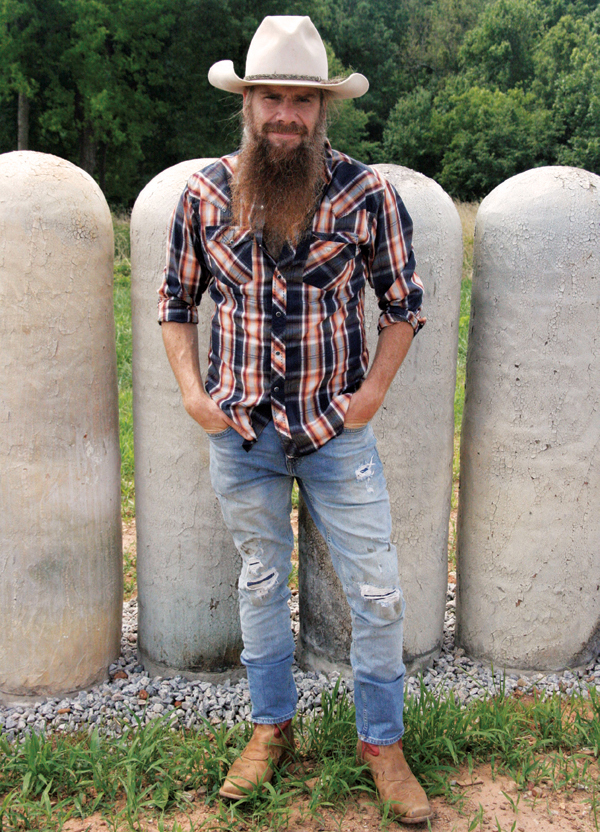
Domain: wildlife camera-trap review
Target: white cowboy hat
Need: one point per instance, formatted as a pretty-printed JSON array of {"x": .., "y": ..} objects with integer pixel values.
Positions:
[{"x": 286, "y": 50}]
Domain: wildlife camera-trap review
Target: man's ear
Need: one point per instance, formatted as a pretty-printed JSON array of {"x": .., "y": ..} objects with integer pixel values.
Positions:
[{"x": 246, "y": 96}]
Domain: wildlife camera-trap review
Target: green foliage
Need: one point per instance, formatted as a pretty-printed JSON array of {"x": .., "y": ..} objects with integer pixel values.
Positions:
[
  {"x": 568, "y": 71},
  {"x": 122, "y": 307},
  {"x": 470, "y": 138},
  {"x": 347, "y": 124},
  {"x": 527, "y": 94},
  {"x": 463, "y": 338},
  {"x": 467, "y": 91},
  {"x": 449, "y": 22},
  {"x": 408, "y": 138},
  {"x": 488, "y": 136},
  {"x": 498, "y": 51}
]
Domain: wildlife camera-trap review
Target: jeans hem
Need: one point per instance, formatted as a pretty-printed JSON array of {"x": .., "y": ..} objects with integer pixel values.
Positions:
[
  {"x": 378, "y": 741},
  {"x": 272, "y": 721}
]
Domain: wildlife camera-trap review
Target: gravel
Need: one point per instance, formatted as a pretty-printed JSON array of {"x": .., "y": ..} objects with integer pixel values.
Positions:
[{"x": 132, "y": 697}]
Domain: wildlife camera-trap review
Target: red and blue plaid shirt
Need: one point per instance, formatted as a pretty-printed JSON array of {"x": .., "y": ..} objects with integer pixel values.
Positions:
[{"x": 288, "y": 335}]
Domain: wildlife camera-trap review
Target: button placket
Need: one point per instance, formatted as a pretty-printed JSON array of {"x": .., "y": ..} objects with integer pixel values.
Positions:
[
  {"x": 278, "y": 322},
  {"x": 287, "y": 278},
  {"x": 277, "y": 334}
]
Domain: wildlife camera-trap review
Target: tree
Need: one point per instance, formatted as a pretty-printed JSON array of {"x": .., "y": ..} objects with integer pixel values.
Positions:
[
  {"x": 577, "y": 110},
  {"x": 567, "y": 64},
  {"x": 449, "y": 22},
  {"x": 25, "y": 67},
  {"x": 489, "y": 136},
  {"x": 409, "y": 136},
  {"x": 372, "y": 36},
  {"x": 554, "y": 55},
  {"x": 498, "y": 52},
  {"x": 120, "y": 86},
  {"x": 109, "y": 86},
  {"x": 347, "y": 129}
]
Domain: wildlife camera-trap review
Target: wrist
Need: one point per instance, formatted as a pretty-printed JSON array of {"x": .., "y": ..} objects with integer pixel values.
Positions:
[
  {"x": 373, "y": 391},
  {"x": 195, "y": 398}
]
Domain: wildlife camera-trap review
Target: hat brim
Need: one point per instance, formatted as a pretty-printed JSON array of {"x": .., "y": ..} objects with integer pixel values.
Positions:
[{"x": 223, "y": 76}]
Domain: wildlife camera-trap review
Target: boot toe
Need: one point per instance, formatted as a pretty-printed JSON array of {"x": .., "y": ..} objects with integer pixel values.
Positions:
[
  {"x": 269, "y": 747},
  {"x": 412, "y": 814},
  {"x": 396, "y": 785}
]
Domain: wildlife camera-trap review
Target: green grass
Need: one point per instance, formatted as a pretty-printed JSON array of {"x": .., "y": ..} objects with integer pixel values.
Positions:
[
  {"x": 122, "y": 305},
  {"x": 467, "y": 212},
  {"x": 154, "y": 770}
]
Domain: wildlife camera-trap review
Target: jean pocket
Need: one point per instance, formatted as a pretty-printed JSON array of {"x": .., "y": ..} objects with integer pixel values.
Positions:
[
  {"x": 357, "y": 429},
  {"x": 220, "y": 434}
]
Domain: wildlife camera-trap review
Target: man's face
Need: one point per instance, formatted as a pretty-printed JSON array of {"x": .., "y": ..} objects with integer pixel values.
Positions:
[{"x": 285, "y": 115}]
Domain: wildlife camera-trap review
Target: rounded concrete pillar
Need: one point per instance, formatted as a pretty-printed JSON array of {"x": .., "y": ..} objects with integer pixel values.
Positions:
[
  {"x": 187, "y": 564},
  {"x": 61, "y": 579},
  {"x": 529, "y": 528},
  {"x": 415, "y": 434}
]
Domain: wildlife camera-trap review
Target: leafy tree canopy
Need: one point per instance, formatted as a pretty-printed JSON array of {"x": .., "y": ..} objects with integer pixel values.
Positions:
[{"x": 467, "y": 91}]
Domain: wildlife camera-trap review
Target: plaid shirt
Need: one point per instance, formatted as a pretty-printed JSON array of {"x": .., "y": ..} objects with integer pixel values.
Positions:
[{"x": 288, "y": 336}]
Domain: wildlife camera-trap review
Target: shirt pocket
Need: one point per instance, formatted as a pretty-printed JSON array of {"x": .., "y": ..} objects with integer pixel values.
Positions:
[
  {"x": 331, "y": 262},
  {"x": 334, "y": 255},
  {"x": 229, "y": 251}
]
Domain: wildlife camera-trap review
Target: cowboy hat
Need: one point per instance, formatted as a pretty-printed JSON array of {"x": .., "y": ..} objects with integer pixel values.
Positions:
[{"x": 286, "y": 50}]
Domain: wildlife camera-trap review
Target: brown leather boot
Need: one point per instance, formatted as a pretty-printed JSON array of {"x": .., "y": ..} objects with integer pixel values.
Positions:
[
  {"x": 395, "y": 781},
  {"x": 269, "y": 747}
]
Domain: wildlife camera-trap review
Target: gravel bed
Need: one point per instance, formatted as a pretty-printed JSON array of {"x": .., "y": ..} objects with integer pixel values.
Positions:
[{"x": 131, "y": 697}]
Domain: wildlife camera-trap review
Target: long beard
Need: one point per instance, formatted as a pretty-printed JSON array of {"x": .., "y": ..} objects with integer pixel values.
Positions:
[{"x": 277, "y": 189}]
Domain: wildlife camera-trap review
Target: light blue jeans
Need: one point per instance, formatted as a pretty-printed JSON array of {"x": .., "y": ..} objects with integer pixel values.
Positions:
[{"x": 344, "y": 489}]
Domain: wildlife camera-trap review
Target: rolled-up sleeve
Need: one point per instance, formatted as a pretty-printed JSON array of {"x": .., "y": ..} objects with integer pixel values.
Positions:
[
  {"x": 185, "y": 276},
  {"x": 392, "y": 268}
]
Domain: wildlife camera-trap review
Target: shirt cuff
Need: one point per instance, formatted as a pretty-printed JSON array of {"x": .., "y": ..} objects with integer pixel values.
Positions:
[
  {"x": 177, "y": 311},
  {"x": 395, "y": 316}
]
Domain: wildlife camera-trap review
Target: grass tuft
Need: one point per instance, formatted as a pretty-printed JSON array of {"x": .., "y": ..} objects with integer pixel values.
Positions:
[
  {"x": 122, "y": 307},
  {"x": 151, "y": 770}
]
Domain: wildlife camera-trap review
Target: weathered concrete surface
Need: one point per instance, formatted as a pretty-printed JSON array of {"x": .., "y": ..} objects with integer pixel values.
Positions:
[
  {"x": 415, "y": 433},
  {"x": 529, "y": 528},
  {"x": 186, "y": 560},
  {"x": 60, "y": 532}
]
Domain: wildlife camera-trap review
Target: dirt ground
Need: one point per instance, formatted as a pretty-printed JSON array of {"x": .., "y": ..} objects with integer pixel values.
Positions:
[
  {"x": 129, "y": 535},
  {"x": 483, "y": 802}
]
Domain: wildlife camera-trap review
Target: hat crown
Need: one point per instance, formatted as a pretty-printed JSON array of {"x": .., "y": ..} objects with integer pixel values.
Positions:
[
  {"x": 289, "y": 46},
  {"x": 286, "y": 50}
]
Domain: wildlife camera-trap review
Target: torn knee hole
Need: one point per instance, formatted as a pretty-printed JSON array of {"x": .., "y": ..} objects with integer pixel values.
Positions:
[
  {"x": 258, "y": 579},
  {"x": 387, "y": 600},
  {"x": 386, "y": 597}
]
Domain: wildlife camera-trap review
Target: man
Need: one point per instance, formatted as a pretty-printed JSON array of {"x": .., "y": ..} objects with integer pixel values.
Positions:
[{"x": 284, "y": 236}]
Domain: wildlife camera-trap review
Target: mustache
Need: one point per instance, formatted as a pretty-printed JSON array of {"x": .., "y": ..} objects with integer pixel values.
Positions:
[{"x": 283, "y": 127}]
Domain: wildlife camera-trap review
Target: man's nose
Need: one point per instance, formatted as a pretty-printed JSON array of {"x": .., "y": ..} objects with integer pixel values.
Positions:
[{"x": 286, "y": 111}]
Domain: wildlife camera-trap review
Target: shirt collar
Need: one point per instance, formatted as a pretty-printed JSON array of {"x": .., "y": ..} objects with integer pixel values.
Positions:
[{"x": 328, "y": 162}]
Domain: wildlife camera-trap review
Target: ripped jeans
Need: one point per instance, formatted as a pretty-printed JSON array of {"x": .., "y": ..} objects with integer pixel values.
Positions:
[{"x": 344, "y": 489}]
